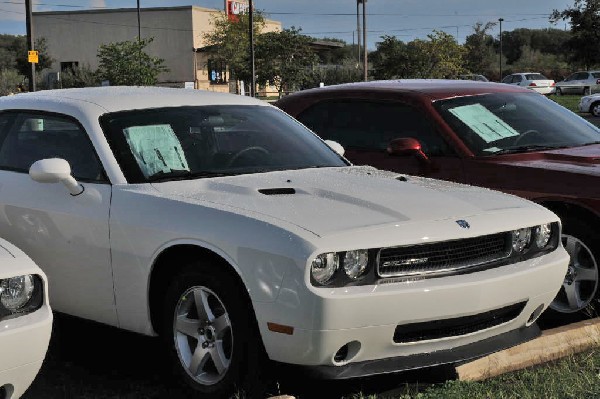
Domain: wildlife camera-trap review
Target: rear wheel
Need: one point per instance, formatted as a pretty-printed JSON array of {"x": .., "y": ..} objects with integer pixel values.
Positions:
[
  {"x": 595, "y": 109},
  {"x": 210, "y": 332},
  {"x": 579, "y": 292}
]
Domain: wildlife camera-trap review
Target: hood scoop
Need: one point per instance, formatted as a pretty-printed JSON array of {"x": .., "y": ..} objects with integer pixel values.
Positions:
[{"x": 277, "y": 191}]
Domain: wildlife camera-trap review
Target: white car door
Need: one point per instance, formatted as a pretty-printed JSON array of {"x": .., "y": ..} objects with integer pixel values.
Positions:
[{"x": 66, "y": 235}]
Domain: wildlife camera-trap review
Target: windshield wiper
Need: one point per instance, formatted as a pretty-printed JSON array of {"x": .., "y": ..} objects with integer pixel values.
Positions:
[
  {"x": 161, "y": 176},
  {"x": 526, "y": 148}
]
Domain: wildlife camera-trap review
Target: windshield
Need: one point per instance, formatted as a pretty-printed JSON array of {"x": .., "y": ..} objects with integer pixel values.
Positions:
[
  {"x": 206, "y": 141},
  {"x": 498, "y": 123}
]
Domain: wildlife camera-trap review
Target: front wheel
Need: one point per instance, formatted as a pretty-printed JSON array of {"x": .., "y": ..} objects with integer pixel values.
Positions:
[
  {"x": 579, "y": 291},
  {"x": 595, "y": 109},
  {"x": 210, "y": 332},
  {"x": 558, "y": 91}
]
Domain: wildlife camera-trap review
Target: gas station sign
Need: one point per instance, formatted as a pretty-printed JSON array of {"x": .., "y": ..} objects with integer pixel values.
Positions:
[{"x": 235, "y": 8}]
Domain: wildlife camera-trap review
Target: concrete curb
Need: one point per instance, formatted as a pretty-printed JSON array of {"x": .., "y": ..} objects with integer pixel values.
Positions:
[{"x": 551, "y": 345}]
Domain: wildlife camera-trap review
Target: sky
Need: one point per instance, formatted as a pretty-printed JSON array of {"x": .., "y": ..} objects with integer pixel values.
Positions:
[{"x": 405, "y": 19}]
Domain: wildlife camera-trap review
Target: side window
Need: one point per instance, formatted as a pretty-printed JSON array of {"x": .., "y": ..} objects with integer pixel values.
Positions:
[
  {"x": 582, "y": 76},
  {"x": 517, "y": 78},
  {"x": 507, "y": 79},
  {"x": 371, "y": 125},
  {"x": 36, "y": 136}
]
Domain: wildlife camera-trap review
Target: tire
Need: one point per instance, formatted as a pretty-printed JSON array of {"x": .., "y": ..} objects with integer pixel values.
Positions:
[
  {"x": 595, "y": 109},
  {"x": 578, "y": 296},
  {"x": 559, "y": 91},
  {"x": 587, "y": 90},
  {"x": 211, "y": 332}
]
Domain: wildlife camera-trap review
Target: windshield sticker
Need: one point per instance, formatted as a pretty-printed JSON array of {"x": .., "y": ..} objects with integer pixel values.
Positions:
[
  {"x": 483, "y": 122},
  {"x": 156, "y": 149}
]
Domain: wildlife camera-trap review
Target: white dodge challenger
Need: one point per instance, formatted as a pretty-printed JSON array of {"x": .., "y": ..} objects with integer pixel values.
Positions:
[
  {"x": 228, "y": 228},
  {"x": 25, "y": 320}
]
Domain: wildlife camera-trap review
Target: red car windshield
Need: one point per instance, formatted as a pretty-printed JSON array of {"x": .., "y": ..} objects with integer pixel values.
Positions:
[{"x": 498, "y": 123}]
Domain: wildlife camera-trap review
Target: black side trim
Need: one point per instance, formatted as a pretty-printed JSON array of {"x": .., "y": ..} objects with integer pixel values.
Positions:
[{"x": 422, "y": 360}]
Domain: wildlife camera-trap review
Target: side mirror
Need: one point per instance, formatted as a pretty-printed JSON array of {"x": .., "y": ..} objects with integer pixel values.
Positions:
[
  {"x": 407, "y": 146},
  {"x": 335, "y": 146},
  {"x": 55, "y": 170}
]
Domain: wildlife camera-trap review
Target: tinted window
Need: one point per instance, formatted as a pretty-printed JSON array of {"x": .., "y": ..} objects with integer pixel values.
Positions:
[
  {"x": 515, "y": 122},
  {"x": 582, "y": 76},
  {"x": 507, "y": 79},
  {"x": 596, "y": 75},
  {"x": 572, "y": 77},
  {"x": 40, "y": 136},
  {"x": 371, "y": 125},
  {"x": 204, "y": 141},
  {"x": 517, "y": 78},
  {"x": 535, "y": 76}
]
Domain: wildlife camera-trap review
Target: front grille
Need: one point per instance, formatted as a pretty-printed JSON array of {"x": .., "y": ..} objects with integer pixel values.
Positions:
[
  {"x": 438, "y": 329},
  {"x": 444, "y": 257}
]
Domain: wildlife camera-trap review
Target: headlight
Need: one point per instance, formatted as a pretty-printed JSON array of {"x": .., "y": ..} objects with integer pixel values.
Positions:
[
  {"x": 324, "y": 267},
  {"x": 521, "y": 239},
  {"x": 542, "y": 235},
  {"x": 355, "y": 263},
  {"x": 16, "y": 292}
]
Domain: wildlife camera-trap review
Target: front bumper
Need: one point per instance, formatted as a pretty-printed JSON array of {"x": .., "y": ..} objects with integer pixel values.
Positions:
[
  {"x": 420, "y": 360},
  {"x": 366, "y": 317},
  {"x": 23, "y": 345}
]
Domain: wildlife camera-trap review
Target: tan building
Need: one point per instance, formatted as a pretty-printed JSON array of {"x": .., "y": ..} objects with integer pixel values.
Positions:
[{"x": 73, "y": 39}]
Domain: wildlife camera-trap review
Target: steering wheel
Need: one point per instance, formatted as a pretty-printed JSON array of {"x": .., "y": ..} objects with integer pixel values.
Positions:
[
  {"x": 522, "y": 136},
  {"x": 245, "y": 151}
]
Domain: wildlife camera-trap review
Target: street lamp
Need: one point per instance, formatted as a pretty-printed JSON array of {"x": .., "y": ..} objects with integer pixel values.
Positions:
[{"x": 500, "y": 20}]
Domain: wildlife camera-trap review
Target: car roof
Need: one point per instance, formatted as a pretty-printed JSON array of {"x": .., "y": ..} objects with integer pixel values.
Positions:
[
  {"x": 120, "y": 98},
  {"x": 436, "y": 89}
]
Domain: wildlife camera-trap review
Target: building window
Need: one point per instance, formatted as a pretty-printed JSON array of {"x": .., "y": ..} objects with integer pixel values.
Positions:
[
  {"x": 217, "y": 72},
  {"x": 68, "y": 66}
]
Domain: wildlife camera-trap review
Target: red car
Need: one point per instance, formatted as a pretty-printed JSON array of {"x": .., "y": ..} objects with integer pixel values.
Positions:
[{"x": 503, "y": 137}]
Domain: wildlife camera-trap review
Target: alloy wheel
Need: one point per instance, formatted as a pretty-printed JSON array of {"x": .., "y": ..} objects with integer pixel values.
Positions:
[
  {"x": 581, "y": 281},
  {"x": 203, "y": 335}
]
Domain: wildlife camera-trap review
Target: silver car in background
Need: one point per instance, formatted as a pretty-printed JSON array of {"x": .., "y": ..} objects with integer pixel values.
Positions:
[
  {"x": 532, "y": 80},
  {"x": 583, "y": 82}
]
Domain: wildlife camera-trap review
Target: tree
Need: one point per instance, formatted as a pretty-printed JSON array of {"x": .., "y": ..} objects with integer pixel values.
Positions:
[
  {"x": 10, "y": 81},
  {"x": 82, "y": 76},
  {"x": 438, "y": 57},
  {"x": 478, "y": 47},
  {"x": 230, "y": 41},
  {"x": 126, "y": 63},
  {"x": 284, "y": 59},
  {"x": 584, "y": 18}
]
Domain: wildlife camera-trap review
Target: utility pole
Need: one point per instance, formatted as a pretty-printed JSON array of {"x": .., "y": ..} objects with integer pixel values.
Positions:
[
  {"x": 139, "y": 43},
  {"x": 500, "y": 20},
  {"x": 365, "y": 68},
  {"x": 251, "y": 35},
  {"x": 358, "y": 27},
  {"x": 30, "y": 41}
]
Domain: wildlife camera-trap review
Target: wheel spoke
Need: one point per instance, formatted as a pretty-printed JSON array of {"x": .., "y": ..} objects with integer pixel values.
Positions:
[
  {"x": 573, "y": 296},
  {"x": 220, "y": 324},
  {"x": 199, "y": 359},
  {"x": 218, "y": 357},
  {"x": 187, "y": 326},
  {"x": 573, "y": 247},
  {"x": 585, "y": 274},
  {"x": 202, "y": 306}
]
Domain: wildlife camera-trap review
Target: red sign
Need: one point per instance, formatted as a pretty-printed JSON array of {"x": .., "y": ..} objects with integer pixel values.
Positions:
[{"x": 235, "y": 8}]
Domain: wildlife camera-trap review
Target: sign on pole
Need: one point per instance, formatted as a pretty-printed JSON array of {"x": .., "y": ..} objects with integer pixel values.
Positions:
[
  {"x": 32, "y": 56},
  {"x": 235, "y": 8}
]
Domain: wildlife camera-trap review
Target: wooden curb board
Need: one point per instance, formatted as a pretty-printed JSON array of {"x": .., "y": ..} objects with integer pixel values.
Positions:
[{"x": 551, "y": 345}]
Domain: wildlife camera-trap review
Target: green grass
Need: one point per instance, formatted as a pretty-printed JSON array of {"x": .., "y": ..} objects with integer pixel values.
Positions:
[
  {"x": 577, "y": 376},
  {"x": 571, "y": 102}
]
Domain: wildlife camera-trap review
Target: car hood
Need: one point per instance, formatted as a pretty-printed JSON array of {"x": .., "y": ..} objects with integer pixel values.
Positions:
[
  {"x": 329, "y": 200},
  {"x": 581, "y": 160}
]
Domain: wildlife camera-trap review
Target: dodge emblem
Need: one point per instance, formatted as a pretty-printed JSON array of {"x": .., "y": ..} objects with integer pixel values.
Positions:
[{"x": 463, "y": 223}]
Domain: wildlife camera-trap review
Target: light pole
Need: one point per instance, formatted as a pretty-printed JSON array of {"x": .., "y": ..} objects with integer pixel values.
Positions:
[
  {"x": 500, "y": 20},
  {"x": 358, "y": 27},
  {"x": 30, "y": 43},
  {"x": 364, "y": 9},
  {"x": 251, "y": 36}
]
